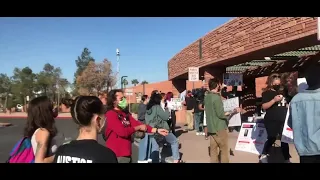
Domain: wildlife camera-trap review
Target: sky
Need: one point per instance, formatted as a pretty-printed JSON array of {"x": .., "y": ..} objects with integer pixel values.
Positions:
[{"x": 145, "y": 44}]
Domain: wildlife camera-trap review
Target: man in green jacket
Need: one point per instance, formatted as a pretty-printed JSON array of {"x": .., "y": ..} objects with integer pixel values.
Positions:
[{"x": 217, "y": 123}]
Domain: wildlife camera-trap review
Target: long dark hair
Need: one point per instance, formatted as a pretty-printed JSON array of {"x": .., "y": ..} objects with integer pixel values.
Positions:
[
  {"x": 155, "y": 99},
  {"x": 270, "y": 80},
  {"x": 112, "y": 98},
  {"x": 40, "y": 115}
]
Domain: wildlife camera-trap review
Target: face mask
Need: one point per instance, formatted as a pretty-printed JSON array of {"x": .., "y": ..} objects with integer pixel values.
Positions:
[
  {"x": 123, "y": 103},
  {"x": 276, "y": 87}
]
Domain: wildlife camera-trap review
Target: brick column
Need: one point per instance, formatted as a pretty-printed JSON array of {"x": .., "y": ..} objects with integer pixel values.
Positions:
[{"x": 249, "y": 98}]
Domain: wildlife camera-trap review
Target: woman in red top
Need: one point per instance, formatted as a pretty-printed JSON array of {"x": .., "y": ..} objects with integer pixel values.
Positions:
[{"x": 121, "y": 126}]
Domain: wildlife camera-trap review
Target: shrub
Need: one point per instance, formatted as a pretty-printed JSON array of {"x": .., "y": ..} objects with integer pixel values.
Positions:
[{"x": 134, "y": 108}]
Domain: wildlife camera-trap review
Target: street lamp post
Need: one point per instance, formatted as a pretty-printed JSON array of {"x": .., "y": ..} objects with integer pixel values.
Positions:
[
  {"x": 118, "y": 68},
  {"x": 121, "y": 81}
]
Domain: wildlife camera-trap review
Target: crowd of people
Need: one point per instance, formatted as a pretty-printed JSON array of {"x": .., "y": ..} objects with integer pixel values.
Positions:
[{"x": 156, "y": 121}]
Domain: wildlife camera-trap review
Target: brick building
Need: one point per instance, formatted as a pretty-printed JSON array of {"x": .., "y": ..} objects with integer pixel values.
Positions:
[{"x": 240, "y": 46}]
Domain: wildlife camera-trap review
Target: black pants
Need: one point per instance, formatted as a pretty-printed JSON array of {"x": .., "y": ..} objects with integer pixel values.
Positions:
[
  {"x": 310, "y": 159},
  {"x": 284, "y": 147}
]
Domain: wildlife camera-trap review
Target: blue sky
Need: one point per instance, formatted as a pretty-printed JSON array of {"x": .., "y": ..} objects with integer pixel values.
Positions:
[{"x": 146, "y": 44}]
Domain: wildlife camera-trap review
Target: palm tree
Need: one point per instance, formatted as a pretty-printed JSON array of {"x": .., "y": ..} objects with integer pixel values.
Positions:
[
  {"x": 125, "y": 82},
  {"x": 144, "y": 82},
  {"x": 134, "y": 82}
]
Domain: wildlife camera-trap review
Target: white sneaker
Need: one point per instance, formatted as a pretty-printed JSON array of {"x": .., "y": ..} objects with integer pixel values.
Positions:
[
  {"x": 264, "y": 158},
  {"x": 143, "y": 162},
  {"x": 198, "y": 133},
  {"x": 203, "y": 134},
  {"x": 149, "y": 160}
]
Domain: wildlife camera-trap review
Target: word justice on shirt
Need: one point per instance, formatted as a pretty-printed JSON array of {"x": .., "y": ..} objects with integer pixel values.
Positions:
[{"x": 69, "y": 159}]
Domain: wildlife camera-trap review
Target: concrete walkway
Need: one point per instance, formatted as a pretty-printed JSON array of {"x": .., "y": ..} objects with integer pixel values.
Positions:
[
  {"x": 23, "y": 114},
  {"x": 195, "y": 149}
]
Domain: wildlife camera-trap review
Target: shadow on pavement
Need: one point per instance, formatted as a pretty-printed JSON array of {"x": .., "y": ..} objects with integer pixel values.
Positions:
[
  {"x": 180, "y": 132},
  {"x": 167, "y": 153}
]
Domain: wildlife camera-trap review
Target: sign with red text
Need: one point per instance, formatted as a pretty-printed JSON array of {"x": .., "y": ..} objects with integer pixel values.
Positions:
[{"x": 252, "y": 137}]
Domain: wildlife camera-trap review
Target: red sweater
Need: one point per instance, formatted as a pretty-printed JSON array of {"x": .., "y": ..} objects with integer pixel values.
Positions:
[{"x": 119, "y": 140}]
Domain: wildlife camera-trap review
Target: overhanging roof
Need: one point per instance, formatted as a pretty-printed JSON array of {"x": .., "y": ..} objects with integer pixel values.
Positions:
[{"x": 278, "y": 58}]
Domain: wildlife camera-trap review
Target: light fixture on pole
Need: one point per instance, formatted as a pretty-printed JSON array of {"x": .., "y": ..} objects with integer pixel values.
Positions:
[
  {"x": 118, "y": 68},
  {"x": 121, "y": 80}
]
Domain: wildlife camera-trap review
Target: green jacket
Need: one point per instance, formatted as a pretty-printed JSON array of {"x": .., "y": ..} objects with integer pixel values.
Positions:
[
  {"x": 216, "y": 120},
  {"x": 156, "y": 117}
]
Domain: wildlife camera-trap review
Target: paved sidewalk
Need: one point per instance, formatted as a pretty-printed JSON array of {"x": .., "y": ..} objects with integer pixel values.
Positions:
[
  {"x": 23, "y": 114},
  {"x": 195, "y": 149}
]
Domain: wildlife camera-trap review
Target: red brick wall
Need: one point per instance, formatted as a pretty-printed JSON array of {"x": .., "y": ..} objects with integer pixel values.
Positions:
[
  {"x": 164, "y": 86},
  {"x": 260, "y": 84},
  {"x": 249, "y": 36}
]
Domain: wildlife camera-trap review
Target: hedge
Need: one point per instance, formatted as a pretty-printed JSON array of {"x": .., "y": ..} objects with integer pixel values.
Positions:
[{"x": 134, "y": 108}]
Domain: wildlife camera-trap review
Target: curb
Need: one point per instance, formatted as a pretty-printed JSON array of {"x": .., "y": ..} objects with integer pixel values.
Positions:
[
  {"x": 5, "y": 124},
  {"x": 25, "y": 117}
]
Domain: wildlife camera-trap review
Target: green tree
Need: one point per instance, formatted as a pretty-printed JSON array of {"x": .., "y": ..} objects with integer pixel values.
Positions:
[
  {"x": 48, "y": 80},
  {"x": 5, "y": 83},
  {"x": 43, "y": 82},
  {"x": 144, "y": 82},
  {"x": 134, "y": 82},
  {"x": 23, "y": 84},
  {"x": 82, "y": 62},
  {"x": 5, "y": 88}
]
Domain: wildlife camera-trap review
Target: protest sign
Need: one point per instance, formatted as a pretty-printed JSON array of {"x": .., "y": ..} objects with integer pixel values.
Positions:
[
  {"x": 252, "y": 137},
  {"x": 229, "y": 105}
]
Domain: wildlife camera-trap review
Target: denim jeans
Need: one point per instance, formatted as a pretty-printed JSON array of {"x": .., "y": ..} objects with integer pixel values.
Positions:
[
  {"x": 197, "y": 121},
  {"x": 148, "y": 149},
  {"x": 173, "y": 141}
]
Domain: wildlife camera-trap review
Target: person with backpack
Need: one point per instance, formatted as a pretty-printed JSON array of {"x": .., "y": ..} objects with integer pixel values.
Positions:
[
  {"x": 121, "y": 126},
  {"x": 157, "y": 117},
  {"x": 38, "y": 144},
  {"x": 87, "y": 113}
]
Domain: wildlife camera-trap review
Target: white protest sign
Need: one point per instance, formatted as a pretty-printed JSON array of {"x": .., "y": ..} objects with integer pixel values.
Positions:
[
  {"x": 233, "y": 79},
  {"x": 176, "y": 103},
  {"x": 302, "y": 84},
  {"x": 287, "y": 133},
  {"x": 193, "y": 74},
  {"x": 252, "y": 137},
  {"x": 229, "y": 105}
]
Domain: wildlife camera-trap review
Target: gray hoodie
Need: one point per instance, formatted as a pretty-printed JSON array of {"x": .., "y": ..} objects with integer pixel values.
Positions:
[{"x": 157, "y": 117}]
